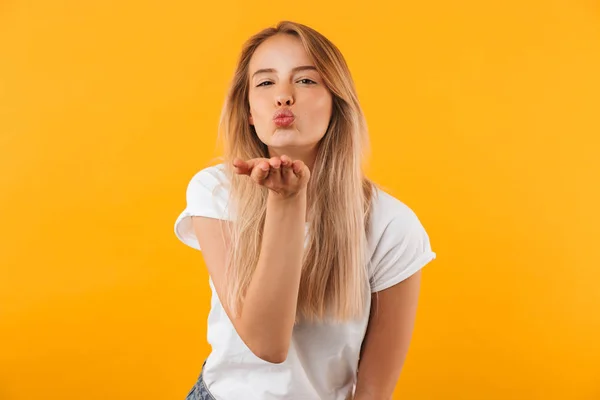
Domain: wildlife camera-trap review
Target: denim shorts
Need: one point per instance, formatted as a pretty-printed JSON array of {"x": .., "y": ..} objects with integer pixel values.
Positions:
[{"x": 199, "y": 391}]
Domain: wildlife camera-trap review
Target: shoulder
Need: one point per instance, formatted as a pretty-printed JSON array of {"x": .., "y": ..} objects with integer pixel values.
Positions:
[
  {"x": 210, "y": 176},
  {"x": 207, "y": 195},
  {"x": 399, "y": 244},
  {"x": 209, "y": 189},
  {"x": 211, "y": 181},
  {"x": 389, "y": 212}
]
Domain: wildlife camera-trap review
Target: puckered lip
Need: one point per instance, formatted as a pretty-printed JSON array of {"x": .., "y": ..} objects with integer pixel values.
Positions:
[{"x": 283, "y": 113}]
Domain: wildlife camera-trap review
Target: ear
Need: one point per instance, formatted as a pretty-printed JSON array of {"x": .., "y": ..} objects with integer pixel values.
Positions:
[{"x": 251, "y": 120}]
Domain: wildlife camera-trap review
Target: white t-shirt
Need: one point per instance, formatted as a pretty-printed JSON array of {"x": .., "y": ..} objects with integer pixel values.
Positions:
[{"x": 323, "y": 357}]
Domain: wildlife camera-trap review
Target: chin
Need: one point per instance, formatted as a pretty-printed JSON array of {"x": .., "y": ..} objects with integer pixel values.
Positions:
[
  {"x": 282, "y": 143},
  {"x": 285, "y": 134}
]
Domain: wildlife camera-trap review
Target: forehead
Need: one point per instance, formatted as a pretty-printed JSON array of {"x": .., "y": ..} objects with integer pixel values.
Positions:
[{"x": 282, "y": 51}]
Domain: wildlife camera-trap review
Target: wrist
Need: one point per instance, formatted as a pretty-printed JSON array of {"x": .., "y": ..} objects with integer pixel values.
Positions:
[{"x": 294, "y": 199}]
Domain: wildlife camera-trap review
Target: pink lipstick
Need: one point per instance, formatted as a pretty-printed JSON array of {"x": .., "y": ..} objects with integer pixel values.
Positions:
[{"x": 283, "y": 118}]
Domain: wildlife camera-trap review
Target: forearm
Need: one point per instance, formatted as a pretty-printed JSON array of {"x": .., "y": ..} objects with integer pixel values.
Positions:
[
  {"x": 363, "y": 395},
  {"x": 271, "y": 299},
  {"x": 386, "y": 343}
]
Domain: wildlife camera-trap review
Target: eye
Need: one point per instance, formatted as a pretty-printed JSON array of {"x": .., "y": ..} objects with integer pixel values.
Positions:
[
  {"x": 307, "y": 81},
  {"x": 263, "y": 83}
]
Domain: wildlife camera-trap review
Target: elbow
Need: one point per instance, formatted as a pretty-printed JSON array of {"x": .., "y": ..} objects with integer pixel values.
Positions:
[
  {"x": 274, "y": 358},
  {"x": 271, "y": 354},
  {"x": 272, "y": 348}
]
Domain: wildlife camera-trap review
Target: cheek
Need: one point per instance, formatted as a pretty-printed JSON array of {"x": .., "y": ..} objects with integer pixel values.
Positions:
[
  {"x": 258, "y": 107},
  {"x": 321, "y": 108},
  {"x": 261, "y": 114}
]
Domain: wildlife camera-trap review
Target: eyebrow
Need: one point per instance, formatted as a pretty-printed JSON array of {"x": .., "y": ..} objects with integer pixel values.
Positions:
[{"x": 294, "y": 70}]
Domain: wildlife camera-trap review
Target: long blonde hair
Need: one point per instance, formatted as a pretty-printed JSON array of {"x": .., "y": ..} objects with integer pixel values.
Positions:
[{"x": 334, "y": 280}]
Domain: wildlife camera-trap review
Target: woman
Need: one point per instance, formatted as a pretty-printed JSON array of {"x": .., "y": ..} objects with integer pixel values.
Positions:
[{"x": 314, "y": 270}]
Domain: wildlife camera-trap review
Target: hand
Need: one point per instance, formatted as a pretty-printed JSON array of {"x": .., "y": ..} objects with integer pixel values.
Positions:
[{"x": 281, "y": 175}]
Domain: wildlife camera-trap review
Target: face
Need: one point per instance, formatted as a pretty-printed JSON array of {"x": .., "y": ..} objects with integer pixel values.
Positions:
[{"x": 283, "y": 78}]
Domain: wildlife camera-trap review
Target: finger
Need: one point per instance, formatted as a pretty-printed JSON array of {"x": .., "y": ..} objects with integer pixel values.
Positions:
[
  {"x": 275, "y": 173},
  {"x": 275, "y": 162},
  {"x": 285, "y": 161},
  {"x": 237, "y": 162},
  {"x": 286, "y": 167},
  {"x": 260, "y": 172},
  {"x": 275, "y": 165},
  {"x": 241, "y": 167},
  {"x": 298, "y": 167},
  {"x": 252, "y": 163}
]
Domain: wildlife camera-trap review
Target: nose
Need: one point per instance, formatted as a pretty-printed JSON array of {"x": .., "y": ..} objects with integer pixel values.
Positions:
[{"x": 285, "y": 99}]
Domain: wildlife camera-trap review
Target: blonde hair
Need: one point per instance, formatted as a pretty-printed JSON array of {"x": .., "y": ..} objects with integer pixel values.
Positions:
[{"x": 334, "y": 281}]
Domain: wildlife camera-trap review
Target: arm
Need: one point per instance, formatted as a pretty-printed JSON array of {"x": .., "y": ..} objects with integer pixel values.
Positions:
[
  {"x": 271, "y": 299},
  {"x": 386, "y": 342},
  {"x": 267, "y": 318}
]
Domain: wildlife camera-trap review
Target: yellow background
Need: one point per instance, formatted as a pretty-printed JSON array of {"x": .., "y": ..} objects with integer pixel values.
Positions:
[{"x": 484, "y": 119}]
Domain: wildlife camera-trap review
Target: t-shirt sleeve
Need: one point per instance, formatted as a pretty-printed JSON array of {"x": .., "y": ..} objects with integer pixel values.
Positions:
[
  {"x": 404, "y": 249},
  {"x": 206, "y": 196}
]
